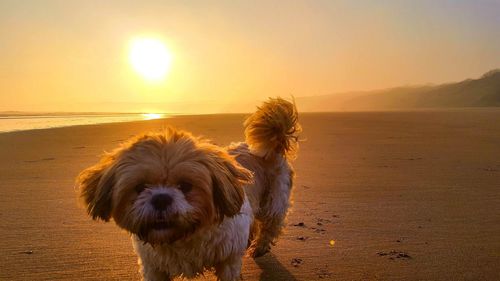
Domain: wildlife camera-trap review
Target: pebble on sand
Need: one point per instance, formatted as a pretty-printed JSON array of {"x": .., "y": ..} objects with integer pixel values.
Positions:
[{"x": 332, "y": 243}]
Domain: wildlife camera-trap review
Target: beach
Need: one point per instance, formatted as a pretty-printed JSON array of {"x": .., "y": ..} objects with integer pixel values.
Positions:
[{"x": 378, "y": 196}]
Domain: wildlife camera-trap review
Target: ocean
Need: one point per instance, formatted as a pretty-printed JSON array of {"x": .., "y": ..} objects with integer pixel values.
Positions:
[{"x": 22, "y": 122}]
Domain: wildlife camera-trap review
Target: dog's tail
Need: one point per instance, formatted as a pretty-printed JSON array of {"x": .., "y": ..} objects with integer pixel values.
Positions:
[{"x": 273, "y": 129}]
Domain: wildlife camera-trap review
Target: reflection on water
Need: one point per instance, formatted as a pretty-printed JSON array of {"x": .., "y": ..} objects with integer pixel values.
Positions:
[
  {"x": 9, "y": 123},
  {"x": 151, "y": 116}
]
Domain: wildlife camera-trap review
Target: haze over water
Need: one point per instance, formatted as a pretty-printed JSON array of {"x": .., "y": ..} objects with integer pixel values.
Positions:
[{"x": 22, "y": 122}]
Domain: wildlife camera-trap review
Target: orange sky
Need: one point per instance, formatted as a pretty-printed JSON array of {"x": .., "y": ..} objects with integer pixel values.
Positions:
[{"x": 72, "y": 55}]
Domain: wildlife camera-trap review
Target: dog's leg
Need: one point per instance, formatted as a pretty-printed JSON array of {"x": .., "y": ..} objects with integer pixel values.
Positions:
[
  {"x": 254, "y": 232},
  {"x": 149, "y": 273},
  {"x": 270, "y": 229},
  {"x": 272, "y": 216},
  {"x": 229, "y": 269}
]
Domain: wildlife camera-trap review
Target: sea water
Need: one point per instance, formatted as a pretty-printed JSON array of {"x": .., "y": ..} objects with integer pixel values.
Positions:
[{"x": 21, "y": 122}]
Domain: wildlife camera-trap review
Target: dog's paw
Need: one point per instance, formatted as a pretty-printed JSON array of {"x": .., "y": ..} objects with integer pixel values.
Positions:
[{"x": 259, "y": 251}]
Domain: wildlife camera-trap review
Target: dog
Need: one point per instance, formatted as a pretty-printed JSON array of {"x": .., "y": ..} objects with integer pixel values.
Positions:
[{"x": 191, "y": 205}]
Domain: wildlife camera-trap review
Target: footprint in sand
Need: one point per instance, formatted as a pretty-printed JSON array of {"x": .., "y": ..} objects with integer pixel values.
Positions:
[
  {"x": 320, "y": 222},
  {"x": 489, "y": 169},
  {"x": 319, "y": 230},
  {"x": 43, "y": 159},
  {"x": 395, "y": 255},
  {"x": 323, "y": 273},
  {"x": 296, "y": 262}
]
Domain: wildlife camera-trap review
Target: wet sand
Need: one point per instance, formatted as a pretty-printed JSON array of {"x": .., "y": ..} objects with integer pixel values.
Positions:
[{"x": 404, "y": 196}]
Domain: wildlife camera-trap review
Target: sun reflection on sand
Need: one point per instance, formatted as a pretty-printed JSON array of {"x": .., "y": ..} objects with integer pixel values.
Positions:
[{"x": 151, "y": 116}]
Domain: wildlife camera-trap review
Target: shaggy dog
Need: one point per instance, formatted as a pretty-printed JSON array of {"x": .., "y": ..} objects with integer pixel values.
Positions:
[{"x": 190, "y": 205}]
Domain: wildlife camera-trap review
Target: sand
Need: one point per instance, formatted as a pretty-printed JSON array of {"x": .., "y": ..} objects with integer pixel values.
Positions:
[{"x": 403, "y": 196}]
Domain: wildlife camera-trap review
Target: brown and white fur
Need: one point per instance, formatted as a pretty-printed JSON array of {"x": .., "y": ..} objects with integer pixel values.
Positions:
[{"x": 191, "y": 205}]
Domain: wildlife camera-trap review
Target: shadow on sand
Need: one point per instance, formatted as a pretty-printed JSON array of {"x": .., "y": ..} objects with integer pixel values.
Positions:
[{"x": 273, "y": 270}]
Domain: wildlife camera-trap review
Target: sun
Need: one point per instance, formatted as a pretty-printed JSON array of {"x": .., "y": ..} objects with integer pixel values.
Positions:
[{"x": 151, "y": 58}]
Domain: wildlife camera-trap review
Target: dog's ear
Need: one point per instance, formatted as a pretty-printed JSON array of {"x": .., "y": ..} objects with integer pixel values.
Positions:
[
  {"x": 228, "y": 179},
  {"x": 96, "y": 184}
]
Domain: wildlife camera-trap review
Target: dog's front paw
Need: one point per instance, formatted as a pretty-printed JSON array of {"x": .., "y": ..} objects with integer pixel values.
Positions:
[{"x": 259, "y": 251}]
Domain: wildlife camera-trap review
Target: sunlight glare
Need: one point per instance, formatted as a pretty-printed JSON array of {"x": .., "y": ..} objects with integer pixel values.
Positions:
[
  {"x": 150, "y": 58},
  {"x": 151, "y": 116}
]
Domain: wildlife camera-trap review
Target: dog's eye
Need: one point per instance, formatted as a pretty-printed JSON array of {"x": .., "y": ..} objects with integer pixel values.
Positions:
[
  {"x": 185, "y": 187},
  {"x": 140, "y": 188}
]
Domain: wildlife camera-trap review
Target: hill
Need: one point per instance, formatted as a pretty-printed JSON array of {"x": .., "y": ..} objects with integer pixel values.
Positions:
[{"x": 481, "y": 92}]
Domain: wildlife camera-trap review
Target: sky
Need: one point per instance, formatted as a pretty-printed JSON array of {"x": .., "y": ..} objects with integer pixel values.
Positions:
[{"x": 72, "y": 55}]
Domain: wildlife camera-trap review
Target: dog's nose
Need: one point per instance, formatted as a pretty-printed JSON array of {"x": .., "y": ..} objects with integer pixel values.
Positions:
[{"x": 161, "y": 201}]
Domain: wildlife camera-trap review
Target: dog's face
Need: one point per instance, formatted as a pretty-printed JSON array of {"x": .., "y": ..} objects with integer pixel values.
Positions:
[{"x": 164, "y": 186}]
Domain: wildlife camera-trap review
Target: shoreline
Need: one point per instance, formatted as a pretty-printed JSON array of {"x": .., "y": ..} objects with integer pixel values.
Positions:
[
  {"x": 144, "y": 118},
  {"x": 485, "y": 110}
]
